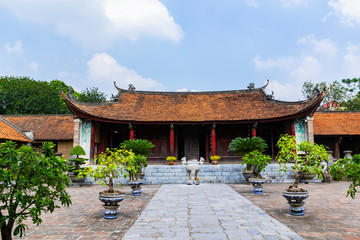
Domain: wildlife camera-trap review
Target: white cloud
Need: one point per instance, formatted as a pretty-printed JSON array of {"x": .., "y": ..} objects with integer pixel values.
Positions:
[
  {"x": 103, "y": 70},
  {"x": 293, "y": 3},
  {"x": 16, "y": 48},
  {"x": 320, "y": 46},
  {"x": 281, "y": 62},
  {"x": 294, "y": 70},
  {"x": 186, "y": 90},
  {"x": 98, "y": 23},
  {"x": 34, "y": 67},
  {"x": 347, "y": 10},
  {"x": 252, "y": 3},
  {"x": 133, "y": 18},
  {"x": 351, "y": 61},
  {"x": 325, "y": 18}
]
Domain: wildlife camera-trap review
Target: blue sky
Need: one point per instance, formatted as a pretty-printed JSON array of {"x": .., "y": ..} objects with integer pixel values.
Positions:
[{"x": 181, "y": 45}]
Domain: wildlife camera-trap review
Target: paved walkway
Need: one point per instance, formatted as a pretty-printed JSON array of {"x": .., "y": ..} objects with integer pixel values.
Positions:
[{"x": 206, "y": 211}]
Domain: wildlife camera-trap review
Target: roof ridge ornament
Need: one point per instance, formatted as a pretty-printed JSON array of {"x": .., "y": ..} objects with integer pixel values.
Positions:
[
  {"x": 71, "y": 94},
  {"x": 131, "y": 87},
  {"x": 116, "y": 98},
  {"x": 251, "y": 86}
]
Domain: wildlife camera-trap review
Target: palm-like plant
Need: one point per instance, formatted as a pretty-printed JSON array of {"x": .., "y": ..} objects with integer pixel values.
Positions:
[
  {"x": 138, "y": 146},
  {"x": 244, "y": 146}
]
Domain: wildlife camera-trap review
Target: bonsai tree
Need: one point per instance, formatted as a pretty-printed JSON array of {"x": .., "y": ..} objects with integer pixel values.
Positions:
[
  {"x": 244, "y": 146},
  {"x": 350, "y": 169},
  {"x": 77, "y": 151},
  {"x": 31, "y": 182},
  {"x": 142, "y": 149},
  {"x": 258, "y": 161},
  {"x": 111, "y": 166},
  {"x": 307, "y": 163}
]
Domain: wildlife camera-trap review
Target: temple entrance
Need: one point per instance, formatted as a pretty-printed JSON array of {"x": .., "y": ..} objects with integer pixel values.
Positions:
[{"x": 191, "y": 142}]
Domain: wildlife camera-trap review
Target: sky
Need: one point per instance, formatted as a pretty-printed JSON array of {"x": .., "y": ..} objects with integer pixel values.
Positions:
[{"x": 181, "y": 45}]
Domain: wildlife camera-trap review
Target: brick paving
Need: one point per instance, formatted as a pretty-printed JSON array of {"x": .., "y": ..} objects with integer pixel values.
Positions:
[
  {"x": 205, "y": 212},
  {"x": 84, "y": 219},
  {"x": 328, "y": 213}
]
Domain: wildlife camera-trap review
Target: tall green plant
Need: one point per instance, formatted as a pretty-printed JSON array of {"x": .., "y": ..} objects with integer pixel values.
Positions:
[
  {"x": 308, "y": 163},
  {"x": 350, "y": 169},
  {"x": 258, "y": 161},
  {"x": 111, "y": 166},
  {"x": 31, "y": 182}
]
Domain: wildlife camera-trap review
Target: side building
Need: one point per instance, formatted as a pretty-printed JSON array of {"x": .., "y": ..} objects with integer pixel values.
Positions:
[
  {"x": 189, "y": 124},
  {"x": 58, "y": 129}
]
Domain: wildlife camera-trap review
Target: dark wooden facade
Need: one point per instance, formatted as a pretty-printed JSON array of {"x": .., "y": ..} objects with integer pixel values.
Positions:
[{"x": 190, "y": 125}]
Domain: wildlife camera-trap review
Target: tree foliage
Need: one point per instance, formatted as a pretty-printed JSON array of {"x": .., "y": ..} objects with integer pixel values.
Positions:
[
  {"x": 23, "y": 95},
  {"x": 31, "y": 182},
  {"x": 335, "y": 93},
  {"x": 91, "y": 95},
  {"x": 350, "y": 169}
]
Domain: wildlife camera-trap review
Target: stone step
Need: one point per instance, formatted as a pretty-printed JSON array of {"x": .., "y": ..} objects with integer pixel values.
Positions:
[{"x": 227, "y": 173}]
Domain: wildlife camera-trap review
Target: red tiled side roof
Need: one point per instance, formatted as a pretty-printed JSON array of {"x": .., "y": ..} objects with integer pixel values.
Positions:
[
  {"x": 45, "y": 127},
  {"x": 240, "y": 105},
  {"x": 9, "y": 132},
  {"x": 337, "y": 123}
]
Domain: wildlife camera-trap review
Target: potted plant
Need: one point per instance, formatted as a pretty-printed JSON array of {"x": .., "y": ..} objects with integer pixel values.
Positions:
[
  {"x": 111, "y": 166},
  {"x": 75, "y": 169},
  {"x": 244, "y": 146},
  {"x": 307, "y": 163},
  {"x": 142, "y": 149},
  {"x": 350, "y": 170},
  {"x": 171, "y": 160},
  {"x": 214, "y": 159},
  {"x": 258, "y": 161}
]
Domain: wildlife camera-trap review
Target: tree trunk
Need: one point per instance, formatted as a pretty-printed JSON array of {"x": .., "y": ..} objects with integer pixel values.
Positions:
[{"x": 6, "y": 230}]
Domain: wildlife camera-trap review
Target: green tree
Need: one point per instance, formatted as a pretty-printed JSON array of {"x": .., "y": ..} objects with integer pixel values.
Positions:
[
  {"x": 23, "y": 95},
  {"x": 30, "y": 183},
  {"x": 335, "y": 92},
  {"x": 91, "y": 95}
]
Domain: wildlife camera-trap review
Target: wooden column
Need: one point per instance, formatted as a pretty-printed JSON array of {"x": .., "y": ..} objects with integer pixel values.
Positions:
[
  {"x": 213, "y": 140},
  {"x": 132, "y": 134},
  {"x": 92, "y": 142},
  {"x": 337, "y": 141},
  {"x": 292, "y": 128},
  {"x": 172, "y": 140},
  {"x": 253, "y": 130},
  {"x": 272, "y": 143}
]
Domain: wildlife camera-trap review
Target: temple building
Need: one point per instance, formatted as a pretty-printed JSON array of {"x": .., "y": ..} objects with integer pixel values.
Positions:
[{"x": 190, "y": 124}]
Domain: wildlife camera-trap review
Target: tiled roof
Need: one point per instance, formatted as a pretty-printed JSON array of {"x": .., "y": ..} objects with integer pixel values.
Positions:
[
  {"x": 10, "y": 132},
  {"x": 337, "y": 123},
  {"x": 238, "y": 105},
  {"x": 45, "y": 127}
]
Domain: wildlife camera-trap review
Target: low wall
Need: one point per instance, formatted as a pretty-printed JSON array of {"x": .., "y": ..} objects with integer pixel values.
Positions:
[{"x": 229, "y": 173}]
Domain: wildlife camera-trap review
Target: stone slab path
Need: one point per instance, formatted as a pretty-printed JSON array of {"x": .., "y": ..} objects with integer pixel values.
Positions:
[{"x": 206, "y": 211}]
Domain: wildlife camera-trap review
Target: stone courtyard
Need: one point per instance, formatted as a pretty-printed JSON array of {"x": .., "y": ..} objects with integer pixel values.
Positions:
[{"x": 328, "y": 214}]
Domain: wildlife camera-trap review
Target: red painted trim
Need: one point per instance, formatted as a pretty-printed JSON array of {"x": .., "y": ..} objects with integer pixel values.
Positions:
[
  {"x": 92, "y": 142},
  {"x": 213, "y": 142},
  {"x": 292, "y": 128},
  {"x": 172, "y": 140},
  {"x": 253, "y": 132},
  {"x": 132, "y": 134}
]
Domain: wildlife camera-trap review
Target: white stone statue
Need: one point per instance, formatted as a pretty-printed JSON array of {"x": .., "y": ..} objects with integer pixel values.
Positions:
[{"x": 192, "y": 168}]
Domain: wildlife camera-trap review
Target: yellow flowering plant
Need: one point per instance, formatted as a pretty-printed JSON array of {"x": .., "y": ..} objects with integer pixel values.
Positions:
[
  {"x": 215, "y": 158},
  {"x": 171, "y": 159}
]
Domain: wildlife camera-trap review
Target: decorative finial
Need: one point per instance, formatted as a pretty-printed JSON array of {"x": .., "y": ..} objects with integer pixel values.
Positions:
[
  {"x": 251, "y": 86},
  {"x": 131, "y": 87}
]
